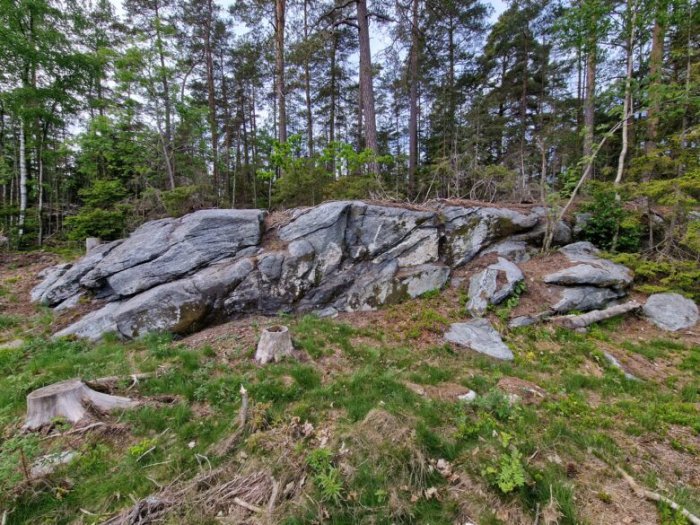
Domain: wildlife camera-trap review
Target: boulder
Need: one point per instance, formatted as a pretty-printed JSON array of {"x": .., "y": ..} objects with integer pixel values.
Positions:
[
  {"x": 671, "y": 311},
  {"x": 585, "y": 298},
  {"x": 479, "y": 335},
  {"x": 591, "y": 270},
  {"x": 67, "y": 284},
  {"x": 162, "y": 252},
  {"x": 180, "y": 274},
  {"x": 469, "y": 230},
  {"x": 492, "y": 285}
]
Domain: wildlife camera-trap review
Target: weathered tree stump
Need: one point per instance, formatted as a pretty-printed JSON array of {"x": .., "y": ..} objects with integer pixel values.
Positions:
[
  {"x": 70, "y": 400},
  {"x": 275, "y": 344}
]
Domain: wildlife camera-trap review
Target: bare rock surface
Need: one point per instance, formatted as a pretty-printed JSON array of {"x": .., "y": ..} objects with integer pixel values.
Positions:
[
  {"x": 179, "y": 275},
  {"x": 493, "y": 285},
  {"x": 671, "y": 311},
  {"x": 479, "y": 335}
]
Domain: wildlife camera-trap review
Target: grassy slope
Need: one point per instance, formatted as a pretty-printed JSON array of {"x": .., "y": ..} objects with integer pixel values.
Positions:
[{"x": 378, "y": 393}]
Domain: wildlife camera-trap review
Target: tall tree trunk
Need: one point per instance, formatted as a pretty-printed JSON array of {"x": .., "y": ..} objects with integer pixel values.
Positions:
[
  {"x": 626, "y": 107},
  {"x": 589, "y": 100},
  {"x": 279, "y": 69},
  {"x": 366, "y": 87},
  {"x": 211, "y": 96},
  {"x": 333, "y": 87},
  {"x": 524, "y": 192},
  {"x": 656, "y": 57},
  {"x": 413, "y": 101},
  {"x": 168, "y": 146},
  {"x": 307, "y": 86},
  {"x": 627, "y": 104},
  {"x": 22, "y": 179}
]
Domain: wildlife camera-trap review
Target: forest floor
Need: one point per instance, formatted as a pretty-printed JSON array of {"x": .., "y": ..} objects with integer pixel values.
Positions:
[{"x": 365, "y": 428}]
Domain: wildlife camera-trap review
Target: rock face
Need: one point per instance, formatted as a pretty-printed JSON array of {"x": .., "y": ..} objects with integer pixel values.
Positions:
[
  {"x": 671, "y": 311},
  {"x": 480, "y": 336},
  {"x": 493, "y": 285},
  {"x": 180, "y": 274}
]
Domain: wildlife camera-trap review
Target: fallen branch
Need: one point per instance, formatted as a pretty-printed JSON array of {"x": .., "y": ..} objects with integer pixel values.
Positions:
[
  {"x": 111, "y": 381},
  {"x": 246, "y": 505},
  {"x": 594, "y": 316},
  {"x": 655, "y": 496}
]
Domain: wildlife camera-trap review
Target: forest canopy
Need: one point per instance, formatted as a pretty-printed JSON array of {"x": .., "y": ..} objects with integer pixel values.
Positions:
[{"x": 113, "y": 113}]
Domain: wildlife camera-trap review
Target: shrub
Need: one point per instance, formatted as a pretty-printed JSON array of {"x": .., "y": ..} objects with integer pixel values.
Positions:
[
  {"x": 609, "y": 217},
  {"x": 106, "y": 224}
]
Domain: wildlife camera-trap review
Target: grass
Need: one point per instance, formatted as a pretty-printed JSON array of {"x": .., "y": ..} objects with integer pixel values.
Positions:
[{"x": 380, "y": 442}]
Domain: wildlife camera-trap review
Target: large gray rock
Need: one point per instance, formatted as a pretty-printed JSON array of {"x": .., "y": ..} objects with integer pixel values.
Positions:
[
  {"x": 671, "y": 311},
  {"x": 601, "y": 273},
  {"x": 493, "y": 285},
  {"x": 469, "y": 230},
  {"x": 591, "y": 270},
  {"x": 480, "y": 336},
  {"x": 162, "y": 251},
  {"x": 179, "y": 274},
  {"x": 585, "y": 298},
  {"x": 94, "y": 325},
  {"x": 66, "y": 284}
]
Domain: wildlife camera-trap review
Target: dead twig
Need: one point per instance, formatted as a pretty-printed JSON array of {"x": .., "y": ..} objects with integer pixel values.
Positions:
[
  {"x": 655, "y": 496},
  {"x": 246, "y": 505}
]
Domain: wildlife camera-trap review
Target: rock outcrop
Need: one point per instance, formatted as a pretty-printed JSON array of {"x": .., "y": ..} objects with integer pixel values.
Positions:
[{"x": 179, "y": 274}]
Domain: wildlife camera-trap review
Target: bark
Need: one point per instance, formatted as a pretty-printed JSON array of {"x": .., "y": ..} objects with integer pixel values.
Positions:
[
  {"x": 627, "y": 104},
  {"x": 280, "y": 8},
  {"x": 167, "y": 147},
  {"x": 211, "y": 95},
  {"x": 366, "y": 87},
  {"x": 626, "y": 107},
  {"x": 22, "y": 179},
  {"x": 595, "y": 316},
  {"x": 307, "y": 86},
  {"x": 333, "y": 88},
  {"x": 655, "y": 63},
  {"x": 413, "y": 101},
  {"x": 589, "y": 101}
]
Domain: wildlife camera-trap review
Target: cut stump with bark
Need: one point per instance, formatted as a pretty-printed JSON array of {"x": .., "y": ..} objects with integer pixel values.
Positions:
[
  {"x": 274, "y": 345},
  {"x": 71, "y": 400}
]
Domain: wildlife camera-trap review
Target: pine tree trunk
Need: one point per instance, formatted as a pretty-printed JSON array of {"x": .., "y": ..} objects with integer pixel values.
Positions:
[
  {"x": 307, "y": 86},
  {"x": 589, "y": 101},
  {"x": 413, "y": 102},
  {"x": 279, "y": 69},
  {"x": 166, "y": 102},
  {"x": 211, "y": 97},
  {"x": 366, "y": 87},
  {"x": 655, "y": 63}
]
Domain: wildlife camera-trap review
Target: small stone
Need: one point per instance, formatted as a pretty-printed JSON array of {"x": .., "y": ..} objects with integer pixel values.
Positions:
[
  {"x": 46, "y": 465},
  {"x": 614, "y": 362},
  {"x": 468, "y": 397}
]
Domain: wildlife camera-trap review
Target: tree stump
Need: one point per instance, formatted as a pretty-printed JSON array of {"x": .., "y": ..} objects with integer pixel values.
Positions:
[
  {"x": 275, "y": 343},
  {"x": 71, "y": 400}
]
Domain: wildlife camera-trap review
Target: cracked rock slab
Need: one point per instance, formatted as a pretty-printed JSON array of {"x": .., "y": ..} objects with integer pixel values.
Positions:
[{"x": 479, "y": 335}]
